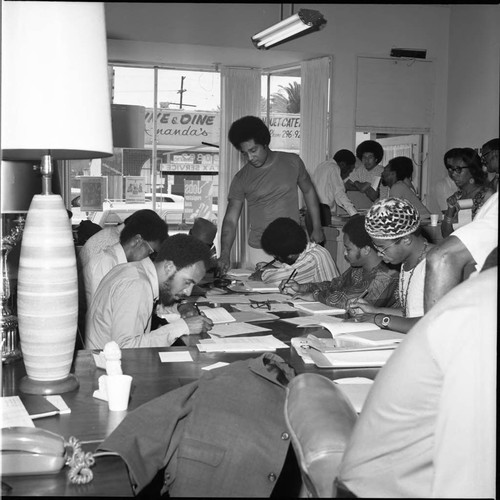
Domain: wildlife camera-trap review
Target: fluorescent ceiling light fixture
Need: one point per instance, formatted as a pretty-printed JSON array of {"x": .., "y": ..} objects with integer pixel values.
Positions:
[{"x": 305, "y": 21}]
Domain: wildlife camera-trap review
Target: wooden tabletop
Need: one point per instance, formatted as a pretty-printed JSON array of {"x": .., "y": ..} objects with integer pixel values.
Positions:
[{"x": 91, "y": 421}]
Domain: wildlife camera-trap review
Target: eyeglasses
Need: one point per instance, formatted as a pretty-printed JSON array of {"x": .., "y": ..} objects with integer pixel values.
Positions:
[
  {"x": 260, "y": 305},
  {"x": 152, "y": 252},
  {"x": 485, "y": 155},
  {"x": 456, "y": 170},
  {"x": 383, "y": 250}
]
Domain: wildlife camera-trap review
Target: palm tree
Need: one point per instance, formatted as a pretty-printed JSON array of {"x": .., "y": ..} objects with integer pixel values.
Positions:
[{"x": 289, "y": 103}]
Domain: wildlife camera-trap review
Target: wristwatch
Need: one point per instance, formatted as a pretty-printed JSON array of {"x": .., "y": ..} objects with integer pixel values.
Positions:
[{"x": 385, "y": 321}]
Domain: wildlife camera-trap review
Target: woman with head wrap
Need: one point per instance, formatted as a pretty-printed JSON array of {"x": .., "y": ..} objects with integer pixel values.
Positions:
[{"x": 394, "y": 227}]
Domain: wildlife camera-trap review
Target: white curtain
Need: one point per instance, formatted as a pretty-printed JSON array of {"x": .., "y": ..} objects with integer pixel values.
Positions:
[
  {"x": 314, "y": 87},
  {"x": 240, "y": 89}
]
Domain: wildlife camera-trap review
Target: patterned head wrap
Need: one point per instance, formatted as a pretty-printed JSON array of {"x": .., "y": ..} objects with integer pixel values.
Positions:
[{"x": 391, "y": 218}]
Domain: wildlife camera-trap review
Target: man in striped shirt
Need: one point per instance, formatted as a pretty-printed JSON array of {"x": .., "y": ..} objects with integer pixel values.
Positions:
[{"x": 286, "y": 241}]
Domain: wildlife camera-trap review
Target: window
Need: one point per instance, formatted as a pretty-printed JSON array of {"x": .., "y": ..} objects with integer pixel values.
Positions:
[{"x": 174, "y": 165}]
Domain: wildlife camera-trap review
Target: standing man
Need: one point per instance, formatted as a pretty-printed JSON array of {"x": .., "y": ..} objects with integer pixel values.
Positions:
[
  {"x": 364, "y": 177},
  {"x": 329, "y": 179},
  {"x": 268, "y": 182},
  {"x": 122, "y": 307},
  {"x": 489, "y": 158}
]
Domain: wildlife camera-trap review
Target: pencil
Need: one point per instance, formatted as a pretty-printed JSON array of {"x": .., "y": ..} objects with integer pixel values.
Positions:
[
  {"x": 364, "y": 294},
  {"x": 294, "y": 273}
]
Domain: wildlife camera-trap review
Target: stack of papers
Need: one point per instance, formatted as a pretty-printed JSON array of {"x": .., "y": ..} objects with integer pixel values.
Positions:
[
  {"x": 229, "y": 330},
  {"x": 254, "y": 286},
  {"x": 280, "y": 307},
  {"x": 242, "y": 344},
  {"x": 239, "y": 273},
  {"x": 318, "y": 308},
  {"x": 225, "y": 299},
  {"x": 351, "y": 359}
]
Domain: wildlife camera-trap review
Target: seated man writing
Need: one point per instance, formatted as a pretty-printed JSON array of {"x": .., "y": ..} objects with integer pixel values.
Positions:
[
  {"x": 368, "y": 275},
  {"x": 286, "y": 241},
  {"x": 122, "y": 307},
  {"x": 394, "y": 227}
]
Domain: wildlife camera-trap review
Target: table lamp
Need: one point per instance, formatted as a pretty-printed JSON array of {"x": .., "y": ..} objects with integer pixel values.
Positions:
[{"x": 55, "y": 105}]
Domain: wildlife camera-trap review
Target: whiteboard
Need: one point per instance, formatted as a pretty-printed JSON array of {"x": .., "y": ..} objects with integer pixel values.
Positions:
[{"x": 394, "y": 93}]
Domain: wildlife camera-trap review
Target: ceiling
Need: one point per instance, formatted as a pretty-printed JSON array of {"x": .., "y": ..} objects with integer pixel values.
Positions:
[{"x": 203, "y": 33}]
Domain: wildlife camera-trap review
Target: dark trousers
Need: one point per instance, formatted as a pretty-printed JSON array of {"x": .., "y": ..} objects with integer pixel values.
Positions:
[{"x": 325, "y": 215}]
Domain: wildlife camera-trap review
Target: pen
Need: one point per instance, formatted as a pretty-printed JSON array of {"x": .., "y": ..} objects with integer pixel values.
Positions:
[
  {"x": 364, "y": 294},
  {"x": 294, "y": 273},
  {"x": 195, "y": 305}
]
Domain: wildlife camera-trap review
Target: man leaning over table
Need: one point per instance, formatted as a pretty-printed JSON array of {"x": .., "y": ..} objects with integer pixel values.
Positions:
[
  {"x": 122, "y": 307},
  {"x": 367, "y": 273}
]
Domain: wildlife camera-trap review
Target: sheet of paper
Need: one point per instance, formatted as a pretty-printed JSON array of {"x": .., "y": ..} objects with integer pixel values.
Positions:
[
  {"x": 230, "y": 329},
  {"x": 59, "y": 403},
  {"x": 225, "y": 299},
  {"x": 255, "y": 315},
  {"x": 318, "y": 308},
  {"x": 280, "y": 307},
  {"x": 254, "y": 286},
  {"x": 13, "y": 412},
  {"x": 175, "y": 356},
  {"x": 241, "y": 344},
  {"x": 336, "y": 327},
  {"x": 273, "y": 297},
  {"x": 354, "y": 359},
  {"x": 310, "y": 320},
  {"x": 217, "y": 314},
  {"x": 220, "y": 364}
]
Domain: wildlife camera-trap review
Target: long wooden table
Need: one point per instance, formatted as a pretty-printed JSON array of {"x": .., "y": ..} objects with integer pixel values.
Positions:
[{"x": 91, "y": 421}]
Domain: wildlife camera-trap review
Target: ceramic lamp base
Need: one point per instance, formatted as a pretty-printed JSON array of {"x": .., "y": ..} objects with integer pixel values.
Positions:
[{"x": 47, "y": 387}]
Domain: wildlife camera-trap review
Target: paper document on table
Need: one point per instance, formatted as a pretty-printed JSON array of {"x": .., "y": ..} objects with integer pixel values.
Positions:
[
  {"x": 336, "y": 327},
  {"x": 217, "y": 314},
  {"x": 273, "y": 297},
  {"x": 280, "y": 307},
  {"x": 13, "y": 412},
  {"x": 239, "y": 273},
  {"x": 310, "y": 320},
  {"x": 175, "y": 356},
  {"x": 318, "y": 308},
  {"x": 241, "y": 344},
  {"x": 228, "y": 330},
  {"x": 225, "y": 299},
  {"x": 351, "y": 359},
  {"x": 356, "y": 389},
  {"x": 254, "y": 286},
  {"x": 249, "y": 316}
]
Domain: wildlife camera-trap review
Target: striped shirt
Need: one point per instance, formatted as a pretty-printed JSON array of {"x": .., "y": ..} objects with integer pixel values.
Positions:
[{"x": 314, "y": 264}]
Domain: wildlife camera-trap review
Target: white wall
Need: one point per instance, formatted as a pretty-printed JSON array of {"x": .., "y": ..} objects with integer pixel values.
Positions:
[{"x": 469, "y": 50}]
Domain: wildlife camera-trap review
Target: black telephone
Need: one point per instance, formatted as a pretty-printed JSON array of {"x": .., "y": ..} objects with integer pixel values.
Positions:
[{"x": 29, "y": 450}]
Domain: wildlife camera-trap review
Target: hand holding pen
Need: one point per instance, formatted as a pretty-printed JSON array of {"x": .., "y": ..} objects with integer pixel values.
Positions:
[
  {"x": 357, "y": 306},
  {"x": 198, "y": 323},
  {"x": 289, "y": 282}
]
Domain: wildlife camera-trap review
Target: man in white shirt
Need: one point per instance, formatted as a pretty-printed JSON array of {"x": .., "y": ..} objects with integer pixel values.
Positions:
[
  {"x": 428, "y": 426},
  {"x": 122, "y": 307},
  {"x": 141, "y": 237},
  {"x": 328, "y": 179},
  {"x": 467, "y": 246}
]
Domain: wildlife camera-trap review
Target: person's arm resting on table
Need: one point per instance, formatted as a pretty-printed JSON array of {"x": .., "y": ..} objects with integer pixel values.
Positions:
[
  {"x": 445, "y": 265},
  {"x": 228, "y": 233}
]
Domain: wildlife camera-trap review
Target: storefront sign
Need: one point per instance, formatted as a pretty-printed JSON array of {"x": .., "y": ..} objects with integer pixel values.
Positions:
[
  {"x": 197, "y": 200},
  {"x": 191, "y": 128},
  {"x": 190, "y": 162}
]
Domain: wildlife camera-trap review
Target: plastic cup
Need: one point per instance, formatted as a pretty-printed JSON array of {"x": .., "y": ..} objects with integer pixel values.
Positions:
[
  {"x": 118, "y": 389},
  {"x": 434, "y": 219}
]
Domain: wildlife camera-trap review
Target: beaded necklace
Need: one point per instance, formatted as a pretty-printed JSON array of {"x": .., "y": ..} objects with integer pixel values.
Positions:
[{"x": 404, "y": 291}]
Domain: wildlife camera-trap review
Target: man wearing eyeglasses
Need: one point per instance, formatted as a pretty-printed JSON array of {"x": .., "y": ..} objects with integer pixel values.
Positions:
[
  {"x": 140, "y": 238},
  {"x": 122, "y": 307},
  {"x": 394, "y": 227},
  {"x": 489, "y": 158}
]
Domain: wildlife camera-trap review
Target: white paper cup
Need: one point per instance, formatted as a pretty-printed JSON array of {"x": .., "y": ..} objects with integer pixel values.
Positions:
[
  {"x": 464, "y": 204},
  {"x": 118, "y": 388},
  {"x": 434, "y": 219},
  {"x": 375, "y": 182}
]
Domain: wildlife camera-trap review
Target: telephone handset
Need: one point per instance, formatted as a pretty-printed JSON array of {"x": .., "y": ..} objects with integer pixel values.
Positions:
[
  {"x": 34, "y": 451},
  {"x": 29, "y": 450}
]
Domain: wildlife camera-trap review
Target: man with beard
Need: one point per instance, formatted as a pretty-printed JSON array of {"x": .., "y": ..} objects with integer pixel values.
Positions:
[{"x": 122, "y": 307}]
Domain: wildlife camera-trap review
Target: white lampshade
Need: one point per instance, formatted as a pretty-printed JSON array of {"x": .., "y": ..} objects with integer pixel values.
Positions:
[{"x": 55, "y": 96}]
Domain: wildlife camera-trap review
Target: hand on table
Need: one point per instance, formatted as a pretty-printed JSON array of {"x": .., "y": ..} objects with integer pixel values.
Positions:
[
  {"x": 223, "y": 264},
  {"x": 289, "y": 287},
  {"x": 360, "y": 309},
  {"x": 198, "y": 324}
]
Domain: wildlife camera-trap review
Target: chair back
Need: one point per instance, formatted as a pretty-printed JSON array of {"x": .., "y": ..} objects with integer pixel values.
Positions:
[{"x": 320, "y": 420}]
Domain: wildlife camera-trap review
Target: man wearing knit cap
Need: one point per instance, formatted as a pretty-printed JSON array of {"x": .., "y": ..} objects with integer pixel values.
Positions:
[{"x": 394, "y": 227}]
